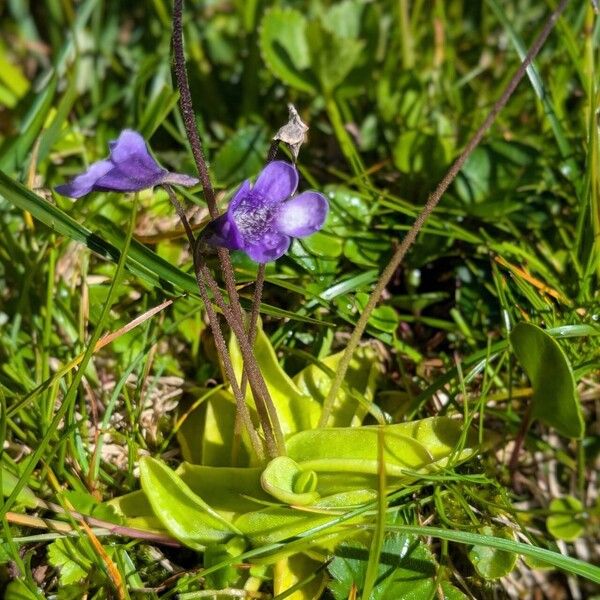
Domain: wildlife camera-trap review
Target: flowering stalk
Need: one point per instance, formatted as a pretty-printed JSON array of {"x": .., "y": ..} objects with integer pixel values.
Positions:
[
  {"x": 242, "y": 412},
  {"x": 187, "y": 109},
  {"x": 258, "y": 285},
  {"x": 262, "y": 399},
  {"x": 252, "y": 324},
  {"x": 430, "y": 205},
  {"x": 233, "y": 312},
  {"x": 241, "y": 408}
]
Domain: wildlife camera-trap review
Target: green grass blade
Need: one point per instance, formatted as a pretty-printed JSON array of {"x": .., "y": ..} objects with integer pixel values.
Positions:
[
  {"x": 71, "y": 394},
  {"x": 560, "y": 561},
  {"x": 571, "y": 169}
]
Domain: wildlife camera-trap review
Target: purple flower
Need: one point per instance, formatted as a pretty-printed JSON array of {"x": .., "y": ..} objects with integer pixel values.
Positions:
[
  {"x": 262, "y": 219},
  {"x": 129, "y": 168}
]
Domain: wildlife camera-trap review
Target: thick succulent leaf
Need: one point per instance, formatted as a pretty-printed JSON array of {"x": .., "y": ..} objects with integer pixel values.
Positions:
[
  {"x": 361, "y": 380},
  {"x": 285, "y": 480},
  {"x": 555, "y": 399},
  {"x": 332, "y": 57},
  {"x": 275, "y": 524},
  {"x": 207, "y": 434},
  {"x": 136, "y": 511},
  {"x": 350, "y": 452},
  {"x": 296, "y": 410},
  {"x": 229, "y": 490},
  {"x": 241, "y": 157},
  {"x": 184, "y": 514}
]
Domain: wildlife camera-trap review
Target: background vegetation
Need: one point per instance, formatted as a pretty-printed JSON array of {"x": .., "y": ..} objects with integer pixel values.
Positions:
[{"x": 392, "y": 91}]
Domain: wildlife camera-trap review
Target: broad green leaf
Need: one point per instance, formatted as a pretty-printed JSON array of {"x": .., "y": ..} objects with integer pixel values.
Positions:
[
  {"x": 274, "y": 524},
  {"x": 348, "y": 207},
  {"x": 230, "y": 490},
  {"x": 565, "y": 521},
  {"x": 184, "y": 514},
  {"x": 134, "y": 509},
  {"x": 207, "y": 434},
  {"x": 323, "y": 245},
  {"x": 366, "y": 251},
  {"x": 492, "y": 563},
  {"x": 296, "y": 410},
  {"x": 26, "y": 497},
  {"x": 555, "y": 399},
  {"x": 416, "y": 151},
  {"x": 17, "y": 590},
  {"x": 449, "y": 592},
  {"x": 345, "y": 18},
  {"x": 353, "y": 399},
  {"x": 67, "y": 556},
  {"x": 285, "y": 480},
  {"x": 284, "y": 48},
  {"x": 241, "y": 156},
  {"x": 332, "y": 57},
  {"x": 353, "y": 450},
  {"x": 384, "y": 318},
  {"x": 406, "y": 569}
]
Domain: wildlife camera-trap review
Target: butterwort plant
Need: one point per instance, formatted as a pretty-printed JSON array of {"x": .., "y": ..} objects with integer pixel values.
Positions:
[
  {"x": 262, "y": 219},
  {"x": 129, "y": 168}
]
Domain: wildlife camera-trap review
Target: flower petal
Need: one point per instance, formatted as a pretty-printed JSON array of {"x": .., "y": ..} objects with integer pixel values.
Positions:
[
  {"x": 130, "y": 155},
  {"x": 271, "y": 247},
  {"x": 129, "y": 143},
  {"x": 241, "y": 193},
  {"x": 222, "y": 232},
  {"x": 277, "y": 181},
  {"x": 83, "y": 184},
  {"x": 128, "y": 178},
  {"x": 302, "y": 215}
]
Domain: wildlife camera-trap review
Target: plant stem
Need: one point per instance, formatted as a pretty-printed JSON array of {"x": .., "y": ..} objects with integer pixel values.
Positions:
[
  {"x": 513, "y": 463},
  {"x": 242, "y": 414},
  {"x": 233, "y": 313},
  {"x": 258, "y": 288},
  {"x": 273, "y": 148},
  {"x": 182, "y": 216},
  {"x": 430, "y": 205},
  {"x": 187, "y": 109},
  {"x": 110, "y": 528},
  {"x": 221, "y": 345},
  {"x": 187, "y": 112},
  {"x": 262, "y": 398}
]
